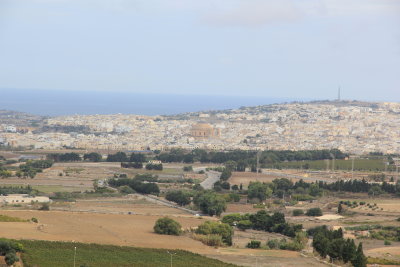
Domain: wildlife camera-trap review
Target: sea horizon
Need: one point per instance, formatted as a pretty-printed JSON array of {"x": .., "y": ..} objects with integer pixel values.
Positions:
[{"x": 64, "y": 102}]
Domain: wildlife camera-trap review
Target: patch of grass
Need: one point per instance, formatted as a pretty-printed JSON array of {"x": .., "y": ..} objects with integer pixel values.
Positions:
[
  {"x": 61, "y": 254},
  {"x": 359, "y": 165},
  {"x": 55, "y": 188},
  {"x": 364, "y": 222},
  {"x": 5, "y": 218},
  {"x": 371, "y": 260}
]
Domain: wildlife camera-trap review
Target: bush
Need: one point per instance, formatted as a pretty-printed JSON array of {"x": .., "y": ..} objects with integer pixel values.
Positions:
[
  {"x": 45, "y": 206},
  {"x": 216, "y": 228},
  {"x": 126, "y": 190},
  {"x": 167, "y": 226},
  {"x": 387, "y": 243},
  {"x": 209, "y": 240},
  {"x": 314, "y": 212},
  {"x": 244, "y": 224},
  {"x": 34, "y": 220},
  {"x": 298, "y": 212},
  {"x": 187, "y": 168},
  {"x": 11, "y": 258},
  {"x": 273, "y": 243},
  {"x": 254, "y": 244},
  {"x": 232, "y": 219}
]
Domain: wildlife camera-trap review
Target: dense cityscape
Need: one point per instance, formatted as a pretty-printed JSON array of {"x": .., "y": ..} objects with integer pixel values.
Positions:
[{"x": 351, "y": 126}]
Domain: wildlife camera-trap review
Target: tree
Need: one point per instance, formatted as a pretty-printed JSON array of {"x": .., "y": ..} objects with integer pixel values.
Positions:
[
  {"x": 180, "y": 197},
  {"x": 167, "y": 226},
  {"x": 137, "y": 158},
  {"x": 210, "y": 203},
  {"x": 359, "y": 259},
  {"x": 226, "y": 173},
  {"x": 335, "y": 248},
  {"x": 320, "y": 244},
  {"x": 117, "y": 157},
  {"x": 340, "y": 209},
  {"x": 11, "y": 258},
  {"x": 349, "y": 250},
  {"x": 94, "y": 157},
  {"x": 259, "y": 190}
]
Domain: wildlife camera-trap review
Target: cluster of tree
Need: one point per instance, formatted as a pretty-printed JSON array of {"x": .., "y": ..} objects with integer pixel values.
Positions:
[
  {"x": 32, "y": 167},
  {"x": 283, "y": 187},
  {"x": 263, "y": 221},
  {"x": 135, "y": 165},
  {"x": 180, "y": 197},
  {"x": 246, "y": 159},
  {"x": 156, "y": 167},
  {"x": 210, "y": 202},
  {"x": 5, "y": 190},
  {"x": 146, "y": 177},
  {"x": 61, "y": 157},
  {"x": 138, "y": 186},
  {"x": 223, "y": 230},
  {"x": 167, "y": 226},
  {"x": 226, "y": 174},
  {"x": 361, "y": 186},
  {"x": 123, "y": 157},
  {"x": 331, "y": 243},
  {"x": 219, "y": 185},
  {"x": 117, "y": 157},
  {"x": 93, "y": 157},
  {"x": 297, "y": 244},
  {"x": 9, "y": 250}
]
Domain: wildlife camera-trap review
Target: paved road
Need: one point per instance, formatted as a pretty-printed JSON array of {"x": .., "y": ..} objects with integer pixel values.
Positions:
[{"x": 212, "y": 178}]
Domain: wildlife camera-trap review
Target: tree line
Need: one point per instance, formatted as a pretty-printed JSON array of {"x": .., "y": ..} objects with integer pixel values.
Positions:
[{"x": 247, "y": 158}]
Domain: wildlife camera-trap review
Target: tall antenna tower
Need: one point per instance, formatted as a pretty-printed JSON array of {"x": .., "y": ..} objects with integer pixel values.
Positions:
[{"x": 338, "y": 97}]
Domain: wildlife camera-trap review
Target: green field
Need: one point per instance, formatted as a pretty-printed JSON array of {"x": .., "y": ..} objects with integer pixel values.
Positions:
[
  {"x": 60, "y": 254},
  {"x": 5, "y": 218},
  {"x": 359, "y": 165}
]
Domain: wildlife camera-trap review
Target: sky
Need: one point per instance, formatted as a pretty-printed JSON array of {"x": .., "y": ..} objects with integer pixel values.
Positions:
[{"x": 267, "y": 48}]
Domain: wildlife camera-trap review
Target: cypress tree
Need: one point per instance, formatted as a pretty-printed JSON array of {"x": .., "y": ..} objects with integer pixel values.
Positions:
[
  {"x": 359, "y": 260},
  {"x": 340, "y": 209}
]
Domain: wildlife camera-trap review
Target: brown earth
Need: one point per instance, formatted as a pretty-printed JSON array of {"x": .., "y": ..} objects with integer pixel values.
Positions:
[{"x": 116, "y": 229}]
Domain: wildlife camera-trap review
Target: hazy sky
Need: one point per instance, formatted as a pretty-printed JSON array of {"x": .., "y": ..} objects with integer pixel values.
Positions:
[{"x": 272, "y": 48}]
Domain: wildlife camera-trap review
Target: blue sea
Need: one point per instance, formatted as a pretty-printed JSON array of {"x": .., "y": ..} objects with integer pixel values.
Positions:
[{"x": 58, "y": 102}]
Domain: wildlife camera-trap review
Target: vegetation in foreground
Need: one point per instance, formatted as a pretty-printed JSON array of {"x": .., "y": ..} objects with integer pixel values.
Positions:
[{"x": 60, "y": 254}]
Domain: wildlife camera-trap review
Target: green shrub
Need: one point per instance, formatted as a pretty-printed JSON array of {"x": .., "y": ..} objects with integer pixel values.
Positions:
[
  {"x": 209, "y": 240},
  {"x": 298, "y": 212},
  {"x": 231, "y": 219},
  {"x": 45, "y": 206},
  {"x": 273, "y": 243},
  {"x": 11, "y": 258},
  {"x": 216, "y": 228},
  {"x": 254, "y": 244},
  {"x": 387, "y": 243},
  {"x": 35, "y": 220},
  {"x": 314, "y": 212},
  {"x": 244, "y": 225},
  {"x": 167, "y": 226}
]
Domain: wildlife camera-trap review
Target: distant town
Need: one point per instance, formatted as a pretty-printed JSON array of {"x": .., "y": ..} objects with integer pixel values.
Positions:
[{"x": 351, "y": 126}]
